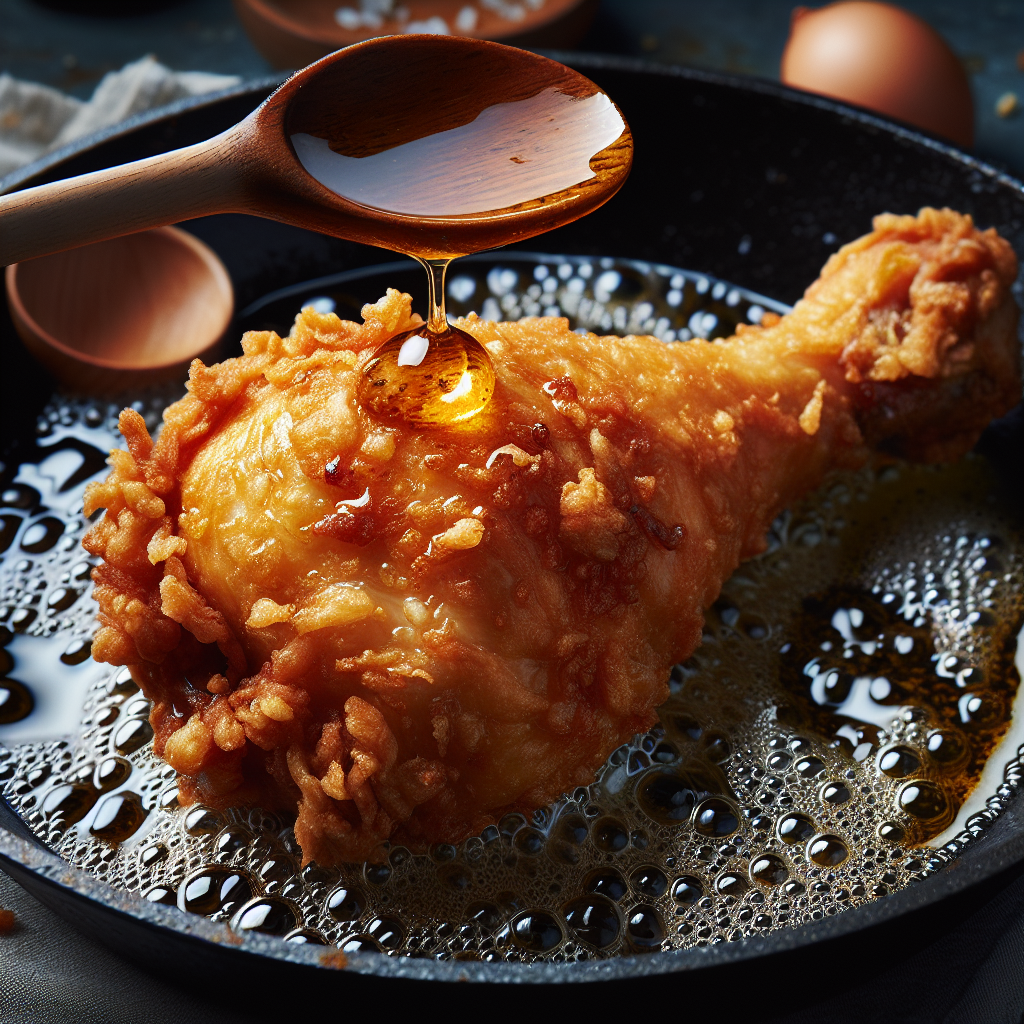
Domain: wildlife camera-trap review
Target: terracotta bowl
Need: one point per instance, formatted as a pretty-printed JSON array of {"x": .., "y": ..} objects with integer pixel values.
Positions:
[
  {"x": 124, "y": 313},
  {"x": 294, "y": 33}
]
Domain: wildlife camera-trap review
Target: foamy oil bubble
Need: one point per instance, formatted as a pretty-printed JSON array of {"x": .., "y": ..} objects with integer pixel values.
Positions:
[{"x": 819, "y": 751}]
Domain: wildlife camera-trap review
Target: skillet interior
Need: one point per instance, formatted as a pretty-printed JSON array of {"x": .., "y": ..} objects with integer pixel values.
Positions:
[{"x": 750, "y": 183}]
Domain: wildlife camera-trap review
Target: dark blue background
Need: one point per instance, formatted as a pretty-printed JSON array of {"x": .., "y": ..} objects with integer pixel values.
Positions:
[{"x": 73, "y": 51}]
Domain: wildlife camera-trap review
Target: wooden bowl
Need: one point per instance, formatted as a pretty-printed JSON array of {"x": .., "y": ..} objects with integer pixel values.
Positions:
[
  {"x": 294, "y": 33},
  {"x": 124, "y": 313}
]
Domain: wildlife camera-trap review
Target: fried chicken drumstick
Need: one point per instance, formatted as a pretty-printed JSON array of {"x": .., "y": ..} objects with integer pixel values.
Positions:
[{"x": 406, "y": 633}]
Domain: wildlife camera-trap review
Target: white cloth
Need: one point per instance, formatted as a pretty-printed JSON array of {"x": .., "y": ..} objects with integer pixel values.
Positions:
[{"x": 36, "y": 119}]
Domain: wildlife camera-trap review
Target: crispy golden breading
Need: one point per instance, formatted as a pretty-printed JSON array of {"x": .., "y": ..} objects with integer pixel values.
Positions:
[{"x": 406, "y": 633}]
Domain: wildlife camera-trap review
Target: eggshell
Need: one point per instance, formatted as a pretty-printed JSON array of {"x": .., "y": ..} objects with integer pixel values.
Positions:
[{"x": 884, "y": 58}]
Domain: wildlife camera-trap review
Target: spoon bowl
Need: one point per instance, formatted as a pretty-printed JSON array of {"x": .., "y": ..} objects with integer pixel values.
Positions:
[
  {"x": 122, "y": 313},
  {"x": 372, "y": 143}
]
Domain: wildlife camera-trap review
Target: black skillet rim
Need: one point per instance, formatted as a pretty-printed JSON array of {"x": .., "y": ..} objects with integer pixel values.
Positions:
[{"x": 63, "y": 886}]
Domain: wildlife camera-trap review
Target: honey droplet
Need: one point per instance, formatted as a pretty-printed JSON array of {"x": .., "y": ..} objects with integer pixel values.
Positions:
[{"x": 428, "y": 379}]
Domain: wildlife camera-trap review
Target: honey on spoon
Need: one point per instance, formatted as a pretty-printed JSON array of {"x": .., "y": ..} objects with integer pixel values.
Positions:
[{"x": 434, "y": 146}]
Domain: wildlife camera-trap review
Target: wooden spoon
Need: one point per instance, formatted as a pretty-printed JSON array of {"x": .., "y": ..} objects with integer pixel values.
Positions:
[
  {"x": 123, "y": 313},
  {"x": 435, "y": 146}
]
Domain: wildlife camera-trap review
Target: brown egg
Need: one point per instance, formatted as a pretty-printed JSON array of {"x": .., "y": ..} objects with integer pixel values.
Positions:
[{"x": 884, "y": 58}]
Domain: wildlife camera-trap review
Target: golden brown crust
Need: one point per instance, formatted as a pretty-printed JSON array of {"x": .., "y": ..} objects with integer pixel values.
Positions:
[{"x": 406, "y": 633}]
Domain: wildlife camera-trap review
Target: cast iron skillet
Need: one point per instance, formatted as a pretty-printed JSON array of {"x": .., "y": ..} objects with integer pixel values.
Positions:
[{"x": 742, "y": 179}]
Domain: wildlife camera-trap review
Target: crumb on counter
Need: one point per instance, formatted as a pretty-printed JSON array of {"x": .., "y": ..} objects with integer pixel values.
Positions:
[
  {"x": 336, "y": 959},
  {"x": 7, "y": 921}
]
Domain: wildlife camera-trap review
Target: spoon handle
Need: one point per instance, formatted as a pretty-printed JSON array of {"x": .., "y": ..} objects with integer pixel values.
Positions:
[{"x": 184, "y": 183}]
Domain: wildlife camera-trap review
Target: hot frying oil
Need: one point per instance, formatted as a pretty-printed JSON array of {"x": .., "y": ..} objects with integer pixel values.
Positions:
[{"x": 820, "y": 749}]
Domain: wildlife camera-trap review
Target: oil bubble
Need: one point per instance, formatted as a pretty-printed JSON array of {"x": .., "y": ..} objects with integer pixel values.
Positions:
[
  {"x": 345, "y": 904},
  {"x": 687, "y": 889},
  {"x": 794, "y": 829},
  {"x": 360, "y": 944},
  {"x": 716, "y": 818},
  {"x": 201, "y": 821},
  {"x": 649, "y": 881},
  {"x": 536, "y": 931},
  {"x": 898, "y": 762},
  {"x": 231, "y": 839},
  {"x": 945, "y": 747},
  {"x": 610, "y": 835},
  {"x": 594, "y": 920},
  {"x": 891, "y": 832},
  {"x": 161, "y": 894},
  {"x": 834, "y": 793},
  {"x": 827, "y": 851},
  {"x": 645, "y": 929},
  {"x": 16, "y": 701},
  {"x": 923, "y": 799},
  {"x": 306, "y": 937},
  {"x": 809, "y": 767},
  {"x": 69, "y": 803},
  {"x": 730, "y": 883},
  {"x": 77, "y": 652},
  {"x": 213, "y": 890},
  {"x": 118, "y": 817},
  {"x": 485, "y": 915},
  {"x": 606, "y": 882},
  {"x": 266, "y": 915},
  {"x": 152, "y": 855},
  {"x": 111, "y": 773},
  {"x": 132, "y": 735},
  {"x": 388, "y": 932},
  {"x": 768, "y": 869}
]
